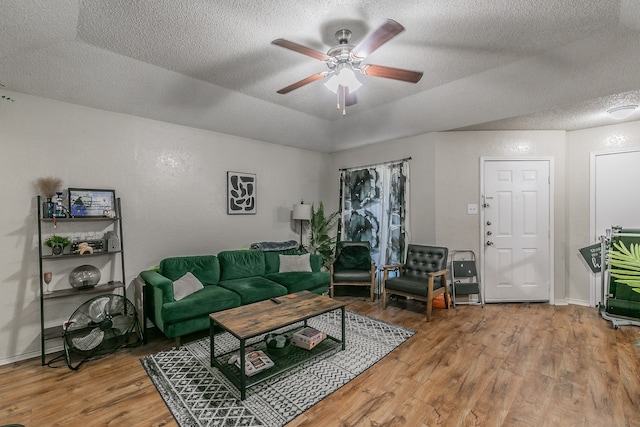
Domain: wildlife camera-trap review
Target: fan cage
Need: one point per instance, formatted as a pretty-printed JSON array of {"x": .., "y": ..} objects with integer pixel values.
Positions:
[{"x": 99, "y": 327}]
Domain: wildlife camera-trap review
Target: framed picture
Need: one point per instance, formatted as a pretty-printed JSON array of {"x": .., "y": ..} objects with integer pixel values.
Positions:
[
  {"x": 85, "y": 202},
  {"x": 241, "y": 193}
]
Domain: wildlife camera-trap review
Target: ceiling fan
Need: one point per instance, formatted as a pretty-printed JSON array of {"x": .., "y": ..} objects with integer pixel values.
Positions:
[{"x": 343, "y": 59}]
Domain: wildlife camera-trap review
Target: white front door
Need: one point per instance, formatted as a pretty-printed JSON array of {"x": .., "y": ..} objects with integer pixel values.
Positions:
[{"x": 516, "y": 230}]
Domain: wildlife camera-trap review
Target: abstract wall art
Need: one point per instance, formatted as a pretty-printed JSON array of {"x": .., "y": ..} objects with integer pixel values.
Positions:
[{"x": 241, "y": 193}]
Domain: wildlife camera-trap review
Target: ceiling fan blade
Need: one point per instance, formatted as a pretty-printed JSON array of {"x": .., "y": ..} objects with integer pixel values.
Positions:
[
  {"x": 386, "y": 32},
  {"x": 301, "y": 49},
  {"x": 391, "y": 73},
  {"x": 303, "y": 82}
]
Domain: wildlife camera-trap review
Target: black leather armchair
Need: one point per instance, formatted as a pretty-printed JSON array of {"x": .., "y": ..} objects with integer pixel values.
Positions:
[
  {"x": 353, "y": 266},
  {"x": 422, "y": 276}
]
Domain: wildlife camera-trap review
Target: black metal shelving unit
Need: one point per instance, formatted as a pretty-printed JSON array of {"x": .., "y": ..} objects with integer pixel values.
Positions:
[{"x": 102, "y": 288}]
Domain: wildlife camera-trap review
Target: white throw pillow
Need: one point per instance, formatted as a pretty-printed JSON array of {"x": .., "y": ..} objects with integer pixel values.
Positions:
[
  {"x": 185, "y": 286},
  {"x": 295, "y": 263}
]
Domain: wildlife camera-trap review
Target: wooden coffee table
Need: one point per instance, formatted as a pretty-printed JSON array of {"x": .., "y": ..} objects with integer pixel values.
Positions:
[{"x": 255, "y": 319}]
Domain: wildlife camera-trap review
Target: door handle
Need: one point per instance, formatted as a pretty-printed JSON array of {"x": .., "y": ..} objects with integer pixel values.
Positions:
[{"x": 489, "y": 243}]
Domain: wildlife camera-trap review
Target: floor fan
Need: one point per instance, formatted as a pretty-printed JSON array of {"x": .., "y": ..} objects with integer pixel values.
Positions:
[{"x": 99, "y": 327}]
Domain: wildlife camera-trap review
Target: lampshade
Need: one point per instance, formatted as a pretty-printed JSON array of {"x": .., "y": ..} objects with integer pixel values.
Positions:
[
  {"x": 302, "y": 212},
  {"x": 344, "y": 77},
  {"x": 622, "y": 112}
]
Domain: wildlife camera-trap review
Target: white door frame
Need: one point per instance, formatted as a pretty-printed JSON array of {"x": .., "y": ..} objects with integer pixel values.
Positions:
[
  {"x": 595, "y": 283},
  {"x": 483, "y": 160}
]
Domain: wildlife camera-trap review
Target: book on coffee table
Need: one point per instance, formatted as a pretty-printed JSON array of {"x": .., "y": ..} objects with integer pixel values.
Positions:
[
  {"x": 308, "y": 338},
  {"x": 256, "y": 361}
]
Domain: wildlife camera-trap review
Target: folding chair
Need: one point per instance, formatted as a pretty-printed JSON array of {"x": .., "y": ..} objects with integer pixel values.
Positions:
[{"x": 464, "y": 277}]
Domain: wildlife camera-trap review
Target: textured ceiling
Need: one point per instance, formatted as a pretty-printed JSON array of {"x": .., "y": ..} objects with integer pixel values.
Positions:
[{"x": 488, "y": 64}]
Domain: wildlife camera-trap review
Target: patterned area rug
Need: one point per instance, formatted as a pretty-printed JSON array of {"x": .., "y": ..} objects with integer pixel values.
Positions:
[{"x": 199, "y": 395}]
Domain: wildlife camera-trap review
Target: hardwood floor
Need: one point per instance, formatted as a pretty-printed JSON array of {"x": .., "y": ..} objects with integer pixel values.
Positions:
[{"x": 501, "y": 365}]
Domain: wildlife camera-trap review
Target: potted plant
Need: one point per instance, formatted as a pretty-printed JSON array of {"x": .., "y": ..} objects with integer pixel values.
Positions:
[
  {"x": 320, "y": 242},
  {"x": 57, "y": 243}
]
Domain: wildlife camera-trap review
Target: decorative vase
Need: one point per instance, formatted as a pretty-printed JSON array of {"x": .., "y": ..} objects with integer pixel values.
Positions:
[{"x": 48, "y": 208}]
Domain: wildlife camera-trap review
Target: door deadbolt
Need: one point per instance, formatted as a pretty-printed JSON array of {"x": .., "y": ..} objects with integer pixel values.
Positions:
[
  {"x": 489, "y": 233},
  {"x": 488, "y": 222}
]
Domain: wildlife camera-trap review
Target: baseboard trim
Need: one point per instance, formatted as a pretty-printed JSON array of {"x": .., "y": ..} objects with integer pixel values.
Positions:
[
  {"x": 29, "y": 355},
  {"x": 578, "y": 302}
]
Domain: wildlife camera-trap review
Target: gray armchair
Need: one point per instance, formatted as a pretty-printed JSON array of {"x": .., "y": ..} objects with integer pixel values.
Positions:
[
  {"x": 353, "y": 267},
  {"x": 422, "y": 276}
]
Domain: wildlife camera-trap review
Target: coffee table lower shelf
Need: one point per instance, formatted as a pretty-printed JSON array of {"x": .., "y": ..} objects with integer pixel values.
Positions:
[
  {"x": 295, "y": 357},
  {"x": 250, "y": 322}
]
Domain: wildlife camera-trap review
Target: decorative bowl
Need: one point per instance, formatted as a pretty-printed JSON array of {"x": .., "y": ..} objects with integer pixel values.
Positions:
[
  {"x": 84, "y": 276},
  {"x": 277, "y": 344}
]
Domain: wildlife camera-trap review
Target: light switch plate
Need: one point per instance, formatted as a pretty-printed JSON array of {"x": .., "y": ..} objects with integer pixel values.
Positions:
[{"x": 472, "y": 209}]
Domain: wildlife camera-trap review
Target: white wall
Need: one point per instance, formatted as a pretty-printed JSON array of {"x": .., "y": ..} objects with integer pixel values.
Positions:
[
  {"x": 172, "y": 181},
  {"x": 580, "y": 145}
]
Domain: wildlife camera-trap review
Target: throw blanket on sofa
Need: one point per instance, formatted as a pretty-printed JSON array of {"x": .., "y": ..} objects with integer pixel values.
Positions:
[{"x": 275, "y": 246}]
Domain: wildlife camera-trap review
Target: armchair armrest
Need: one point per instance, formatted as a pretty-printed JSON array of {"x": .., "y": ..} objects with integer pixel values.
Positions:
[
  {"x": 389, "y": 267},
  {"x": 333, "y": 260},
  {"x": 439, "y": 273},
  {"x": 159, "y": 283},
  {"x": 158, "y": 291},
  {"x": 316, "y": 262}
]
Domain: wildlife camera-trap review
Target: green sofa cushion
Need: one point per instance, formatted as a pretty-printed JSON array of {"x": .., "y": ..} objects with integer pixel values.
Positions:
[
  {"x": 253, "y": 289},
  {"x": 210, "y": 299},
  {"x": 296, "y": 281},
  {"x": 240, "y": 264},
  {"x": 205, "y": 267}
]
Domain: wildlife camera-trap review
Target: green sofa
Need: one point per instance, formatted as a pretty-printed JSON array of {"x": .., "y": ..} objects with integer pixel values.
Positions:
[{"x": 230, "y": 279}]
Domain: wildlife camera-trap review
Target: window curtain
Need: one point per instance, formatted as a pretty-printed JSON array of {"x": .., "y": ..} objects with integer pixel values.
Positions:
[{"x": 374, "y": 207}]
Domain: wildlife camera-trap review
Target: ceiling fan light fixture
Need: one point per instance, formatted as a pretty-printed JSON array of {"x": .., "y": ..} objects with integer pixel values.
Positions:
[
  {"x": 622, "y": 112},
  {"x": 345, "y": 77}
]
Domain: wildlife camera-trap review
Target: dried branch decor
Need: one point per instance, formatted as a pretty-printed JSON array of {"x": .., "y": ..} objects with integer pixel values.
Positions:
[{"x": 49, "y": 185}]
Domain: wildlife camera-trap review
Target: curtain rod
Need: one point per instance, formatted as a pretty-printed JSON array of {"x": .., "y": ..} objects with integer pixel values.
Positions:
[{"x": 376, "y": 164}]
